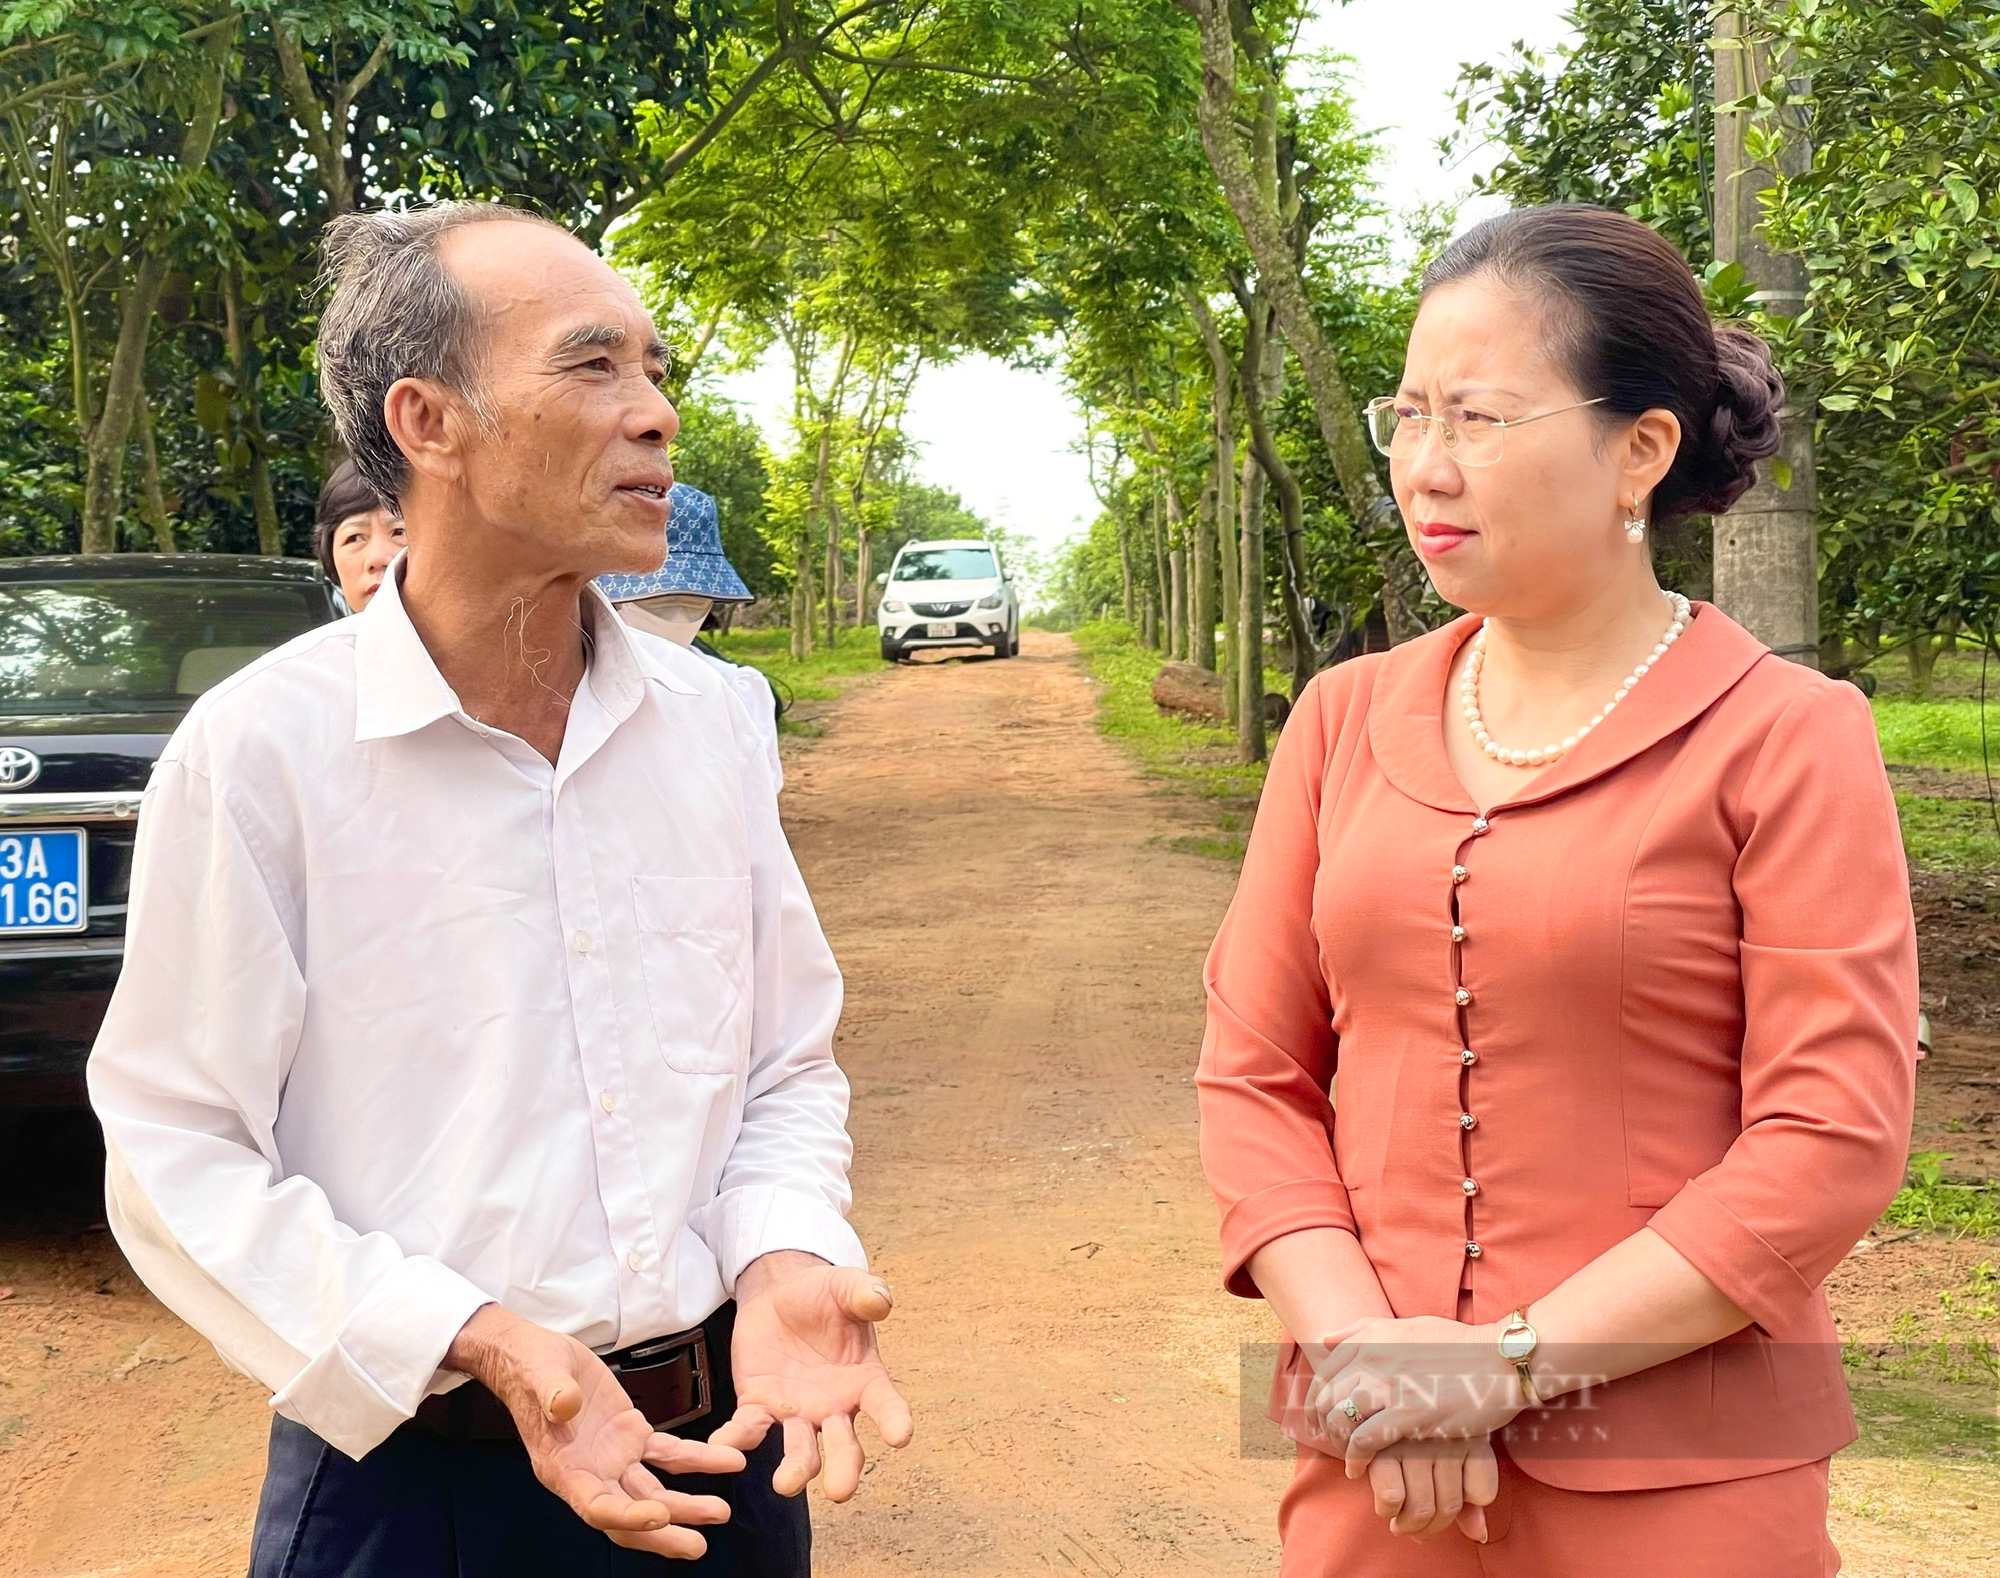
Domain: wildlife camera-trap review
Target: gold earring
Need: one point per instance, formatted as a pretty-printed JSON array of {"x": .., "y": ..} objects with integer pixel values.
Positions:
[{"x": 1635, "y": 525}]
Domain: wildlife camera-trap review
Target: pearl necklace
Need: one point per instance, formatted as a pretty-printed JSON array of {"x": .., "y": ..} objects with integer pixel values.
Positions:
[{"x": 1541, "y": 756}]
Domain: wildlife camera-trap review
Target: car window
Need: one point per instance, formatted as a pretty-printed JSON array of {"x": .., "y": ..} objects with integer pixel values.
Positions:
[
  {"x": 134, "y": 645},
  {"x": 946, "y": 564}
]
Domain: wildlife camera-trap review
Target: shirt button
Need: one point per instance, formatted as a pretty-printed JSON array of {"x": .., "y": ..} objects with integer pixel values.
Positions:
[
  {"x": 1469, "y": 1186},
  {"x": 584, "y": 942},
  {"x": 1458, "y": 875},
  {"x": 1467, "y": 1056},
  {"x": 1463, "y": 998},
  {"x": 1479, "y": 826},
  {"x": 635, "y": 1260},
  {"x": 1458, "y": 934},
  {"x": 608, "y": 1101},
  {"x": 1467, "y": 1121},
  {"x": 1472, "y": 1251}
]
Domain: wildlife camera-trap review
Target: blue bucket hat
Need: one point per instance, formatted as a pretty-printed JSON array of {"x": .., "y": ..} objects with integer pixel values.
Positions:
[{"x": 695, "y": 563}]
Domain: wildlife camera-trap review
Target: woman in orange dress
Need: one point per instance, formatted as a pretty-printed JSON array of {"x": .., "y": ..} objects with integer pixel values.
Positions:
[{"x": 1560, "y": 1035}]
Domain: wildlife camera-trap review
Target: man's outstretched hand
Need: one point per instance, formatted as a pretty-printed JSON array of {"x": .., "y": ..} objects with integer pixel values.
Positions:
[
  {"x": 805, "y": 1351},
  {"x": 588, "y": 1443}
]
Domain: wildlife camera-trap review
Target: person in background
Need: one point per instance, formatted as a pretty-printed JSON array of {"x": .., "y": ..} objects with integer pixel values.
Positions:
[
  {"x": 674, "y": 602},
  {"x": 355, "y": 535}
]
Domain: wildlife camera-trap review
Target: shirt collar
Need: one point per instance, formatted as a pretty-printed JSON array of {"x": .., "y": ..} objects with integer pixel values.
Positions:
[
  {"x": 399, "y": 690},
  {"x": 1406, "y": 716}
]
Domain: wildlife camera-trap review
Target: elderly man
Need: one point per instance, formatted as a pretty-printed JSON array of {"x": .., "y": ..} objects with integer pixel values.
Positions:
[{"x": 470, "y": 1080}]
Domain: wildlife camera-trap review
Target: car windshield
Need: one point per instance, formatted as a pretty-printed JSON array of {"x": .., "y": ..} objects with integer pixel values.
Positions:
[
  {"x": 946, "y": 564},
  {"x": 121, "y": 645}
]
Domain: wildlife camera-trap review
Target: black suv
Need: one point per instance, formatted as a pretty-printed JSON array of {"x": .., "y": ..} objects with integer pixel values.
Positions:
[{"x": 100, "y": 657}]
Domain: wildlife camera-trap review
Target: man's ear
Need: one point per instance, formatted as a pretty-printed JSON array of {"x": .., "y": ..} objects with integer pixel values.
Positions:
[{"x": 423, "y": 418}]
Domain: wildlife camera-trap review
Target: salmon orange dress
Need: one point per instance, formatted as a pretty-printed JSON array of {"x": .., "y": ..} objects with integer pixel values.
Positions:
[{"x": 1670, "y": 983}]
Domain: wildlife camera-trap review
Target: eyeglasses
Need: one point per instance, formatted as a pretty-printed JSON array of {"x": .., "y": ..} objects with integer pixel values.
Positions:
[{"x": 1471, "y": 438}]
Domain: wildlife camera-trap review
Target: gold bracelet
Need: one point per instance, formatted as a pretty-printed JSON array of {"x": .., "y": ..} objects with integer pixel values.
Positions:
[{"x": 1517, "y": 1345}]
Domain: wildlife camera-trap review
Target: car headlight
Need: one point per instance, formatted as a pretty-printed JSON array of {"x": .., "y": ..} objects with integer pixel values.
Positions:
[
  {"x": 891, "y": 606},
  {"x": 991, "y": 600}
]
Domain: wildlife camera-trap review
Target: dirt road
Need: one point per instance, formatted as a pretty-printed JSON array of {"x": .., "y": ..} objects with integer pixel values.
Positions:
[
  {"x": 1023, "y": 960},
  {"x": 1022, "y": 947}
]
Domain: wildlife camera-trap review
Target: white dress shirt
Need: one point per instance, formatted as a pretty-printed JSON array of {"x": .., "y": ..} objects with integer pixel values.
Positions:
[
  {"x": 411, "y": 1020},
  {"x": 754, "y": 691}
]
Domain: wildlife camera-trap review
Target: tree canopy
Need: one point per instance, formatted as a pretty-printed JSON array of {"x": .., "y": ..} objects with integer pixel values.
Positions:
[{"x": 1166, "y": 200}]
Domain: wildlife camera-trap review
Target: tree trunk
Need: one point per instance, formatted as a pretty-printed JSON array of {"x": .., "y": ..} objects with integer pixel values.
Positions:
[
  {"x": 1766, "y": 548},
  {"x": 1223, "y": 428},
  {"x": 1262, "y": 380},
  {"x": 1160, "y": 639},
  {"x": 833, "y": 568},
  {"x": 250, "y": 404},
  {"x": 105, "y": 441},
  {"x": 864, "y": 574},
  {"x": 1923, "y": 654},
  {"x": 324, "y": 123},
  {"x": 1177, "y": 610},
  {"x": 1201, "y": 581},
  {"x": 1125, "y": 562},
  {"x": 1253, "y": 196},
  {"x": 104, "y": 446},
  {"x": 1250, "y": 618},
  {"x": 155, "y": 494}
]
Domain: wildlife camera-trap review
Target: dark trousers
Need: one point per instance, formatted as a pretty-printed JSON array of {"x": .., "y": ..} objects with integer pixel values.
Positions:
[{"x": 420, "y": 1506}]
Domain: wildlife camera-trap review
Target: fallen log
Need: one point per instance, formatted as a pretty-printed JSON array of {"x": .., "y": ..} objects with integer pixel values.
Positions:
[{"x": 1192, "y": 691}]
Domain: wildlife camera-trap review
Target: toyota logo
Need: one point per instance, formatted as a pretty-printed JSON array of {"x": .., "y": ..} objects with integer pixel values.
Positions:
[{"x": 18, "y": 767}]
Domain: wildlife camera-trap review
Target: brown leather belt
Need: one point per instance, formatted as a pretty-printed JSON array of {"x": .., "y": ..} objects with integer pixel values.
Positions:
[{"x": 680, "y": 1383}]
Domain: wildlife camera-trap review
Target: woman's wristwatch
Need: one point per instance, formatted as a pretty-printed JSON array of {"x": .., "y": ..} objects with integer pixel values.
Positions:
[{"x": 1517, "y": 1346}]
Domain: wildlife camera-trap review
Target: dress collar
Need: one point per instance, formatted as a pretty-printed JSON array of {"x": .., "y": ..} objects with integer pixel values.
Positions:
[
  {"x": 399, "y": 690},
  {"x": 1406, "y": 716}
]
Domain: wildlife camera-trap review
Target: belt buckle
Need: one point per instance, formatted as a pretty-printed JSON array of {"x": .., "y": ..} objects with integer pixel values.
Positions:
[{"x": 654, "y": 1355}]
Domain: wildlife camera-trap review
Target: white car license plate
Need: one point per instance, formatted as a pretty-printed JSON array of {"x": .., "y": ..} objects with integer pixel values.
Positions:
[
  {"x": 43, "y": 882},
  {"x": 941, "y": 632}
]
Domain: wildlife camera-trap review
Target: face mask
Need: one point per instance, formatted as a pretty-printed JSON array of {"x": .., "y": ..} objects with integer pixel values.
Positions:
[{"x": 677, "y": 616}]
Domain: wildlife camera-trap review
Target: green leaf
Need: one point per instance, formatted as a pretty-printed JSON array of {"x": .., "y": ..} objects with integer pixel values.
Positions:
[
  {"x": 1965, "y": 195},
  {"x": 1781, "y": 473}
]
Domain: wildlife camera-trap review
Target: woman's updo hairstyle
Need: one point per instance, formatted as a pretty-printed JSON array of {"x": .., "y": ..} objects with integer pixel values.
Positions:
[{"x": 1633, "y": 330}]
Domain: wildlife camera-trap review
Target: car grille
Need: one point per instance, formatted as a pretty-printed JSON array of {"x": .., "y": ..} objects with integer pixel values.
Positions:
[
  {"x": 939, "y": 610},
  {"x": 110, "y": 876}
]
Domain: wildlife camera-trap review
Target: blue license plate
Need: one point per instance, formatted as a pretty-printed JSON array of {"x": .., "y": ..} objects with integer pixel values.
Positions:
[{"x": 43, "y": 882}]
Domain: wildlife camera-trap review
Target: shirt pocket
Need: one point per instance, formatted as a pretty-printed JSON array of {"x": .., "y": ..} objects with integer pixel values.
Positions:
[{"x": 695, "y": 952}]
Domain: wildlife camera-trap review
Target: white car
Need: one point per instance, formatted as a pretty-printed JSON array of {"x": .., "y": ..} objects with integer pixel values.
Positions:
[{"x": 938, "y": 595}]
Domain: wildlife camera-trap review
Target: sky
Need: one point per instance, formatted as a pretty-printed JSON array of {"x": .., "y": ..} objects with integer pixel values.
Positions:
[{"x": 1007, "y": 439}]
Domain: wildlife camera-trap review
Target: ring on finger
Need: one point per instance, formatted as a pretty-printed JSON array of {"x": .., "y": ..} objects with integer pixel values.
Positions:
[{"x": 1347, "y": 1407}]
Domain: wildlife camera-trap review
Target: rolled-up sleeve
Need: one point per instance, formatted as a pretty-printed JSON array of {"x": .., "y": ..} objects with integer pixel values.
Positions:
[
  {"x": 1829, "y": 968},
  {"x": 344, "y": 1328},
  {"x": 785, "y": 1183},
  {"x": 1269, "y": 1052}
]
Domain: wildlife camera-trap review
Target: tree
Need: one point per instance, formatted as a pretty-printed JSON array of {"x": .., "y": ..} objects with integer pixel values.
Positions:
[{"x": 1893, "y": 335}]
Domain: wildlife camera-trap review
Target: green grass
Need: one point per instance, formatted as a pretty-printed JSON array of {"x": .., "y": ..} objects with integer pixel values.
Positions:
[
  {"x": 1948, "y": 835},
  {"x": 1932, "y": 1202},
  {"x": 822, "y": 675},
  {"x": 1937, "y": 733},
  {"x": 1196, "y": 756}
]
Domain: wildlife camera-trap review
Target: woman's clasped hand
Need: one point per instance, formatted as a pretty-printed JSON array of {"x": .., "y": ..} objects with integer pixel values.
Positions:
[{"x": 1413, "y": 1404}]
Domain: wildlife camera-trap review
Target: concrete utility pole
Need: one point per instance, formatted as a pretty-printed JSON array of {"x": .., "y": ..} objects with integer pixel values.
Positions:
[{"x": 1767, "y": 547}]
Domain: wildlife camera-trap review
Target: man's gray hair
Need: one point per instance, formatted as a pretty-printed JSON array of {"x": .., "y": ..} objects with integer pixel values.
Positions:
[{"x": 394, "y": 311}]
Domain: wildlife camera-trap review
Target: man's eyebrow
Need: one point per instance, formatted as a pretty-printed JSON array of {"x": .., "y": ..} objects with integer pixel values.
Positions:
[
  {"x": 594, "y": 336},
  {"x": 604, "y": 336}
]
